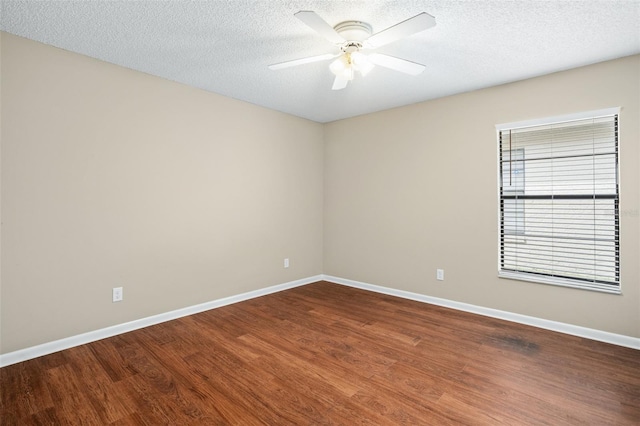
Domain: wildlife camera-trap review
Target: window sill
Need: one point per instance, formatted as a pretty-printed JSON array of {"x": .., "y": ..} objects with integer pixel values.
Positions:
[{"x": 561, "y": 282}]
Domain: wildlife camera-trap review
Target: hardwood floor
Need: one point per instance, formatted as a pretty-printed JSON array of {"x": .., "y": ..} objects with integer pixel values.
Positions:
[{"x": 325, "y": 354}]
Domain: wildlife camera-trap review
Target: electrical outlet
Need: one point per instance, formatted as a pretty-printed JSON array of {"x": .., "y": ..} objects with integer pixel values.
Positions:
[
  {"x": 117, "y": 294},
  {"x": 440, "y": 274},
  {"x": 286, "y": 263}
]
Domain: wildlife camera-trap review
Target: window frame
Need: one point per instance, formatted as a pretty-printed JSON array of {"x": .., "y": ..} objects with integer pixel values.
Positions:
[{"x": 555, "y": 280}]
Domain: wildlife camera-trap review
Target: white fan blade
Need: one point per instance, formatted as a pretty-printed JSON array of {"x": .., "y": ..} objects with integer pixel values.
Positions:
[
  {"x": 302, "y": 61},
  {"x": 320, "y": 26},
  {"x": 404, "y": 29},
  {"x": 396, "y": 64},
  {"x": 339, "y": 83}
]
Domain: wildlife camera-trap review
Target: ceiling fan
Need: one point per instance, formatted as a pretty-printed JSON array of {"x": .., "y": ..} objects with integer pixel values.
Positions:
[{"x": 354, "y": 38}]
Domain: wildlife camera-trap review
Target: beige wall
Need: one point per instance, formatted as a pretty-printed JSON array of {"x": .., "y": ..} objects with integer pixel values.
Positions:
[
  {"x": 413, "y": 189},
  {"x": 112, "y": 177},
  {"x": 1, "y": 36}
]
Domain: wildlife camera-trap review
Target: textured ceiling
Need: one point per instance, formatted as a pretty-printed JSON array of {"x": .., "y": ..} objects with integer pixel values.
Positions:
[{"x": 225, "y": 46}]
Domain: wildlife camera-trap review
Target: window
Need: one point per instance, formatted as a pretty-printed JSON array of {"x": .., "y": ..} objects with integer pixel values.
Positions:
[{"x": 559, "y": 201}]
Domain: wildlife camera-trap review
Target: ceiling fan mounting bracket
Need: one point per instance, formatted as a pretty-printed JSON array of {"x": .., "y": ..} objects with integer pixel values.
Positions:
[{"x": 353, "y": 31}]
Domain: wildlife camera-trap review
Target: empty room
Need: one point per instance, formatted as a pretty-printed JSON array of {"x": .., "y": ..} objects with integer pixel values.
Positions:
[{"x": 320, "y": 212}]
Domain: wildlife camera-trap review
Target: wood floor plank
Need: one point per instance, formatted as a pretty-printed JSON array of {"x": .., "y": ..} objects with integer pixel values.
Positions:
[
  {"x": 97, "y": 386},
  {"x": 326, "y": 354},
  {"x": 241, "y": 384},
  {"x": 29, "y": 393},
  {"x": 70, "y": 402},
  {"x": 315, "y": 369}
]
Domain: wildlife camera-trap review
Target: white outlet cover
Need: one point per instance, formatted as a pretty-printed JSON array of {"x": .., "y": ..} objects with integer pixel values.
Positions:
[
  {"x": 440, "y": 274},
  {"x": 117, "y": 294},
  {"x": 286, "y": 263}
]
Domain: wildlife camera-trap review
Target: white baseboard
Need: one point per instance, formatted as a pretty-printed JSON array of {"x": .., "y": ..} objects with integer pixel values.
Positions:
[
  {"x": 92, "y": 336},
  {"x": 589, "y": 333}
]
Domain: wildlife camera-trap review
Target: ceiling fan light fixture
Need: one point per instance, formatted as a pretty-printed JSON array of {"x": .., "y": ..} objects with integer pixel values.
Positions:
[
  {"x": 361, "y": 63},
  {"x": 339, "y": 65},
  {"x": 346, "y": 65},
  {"x": 348, "y": 73},
  {"x": 343, "y": 67}
]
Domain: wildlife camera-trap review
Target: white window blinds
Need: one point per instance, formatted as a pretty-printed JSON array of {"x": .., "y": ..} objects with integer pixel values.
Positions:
[{"x": 559, "y": 203}]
